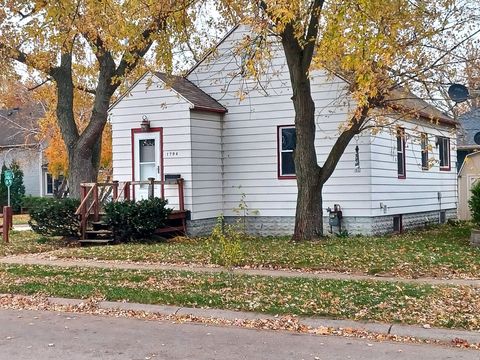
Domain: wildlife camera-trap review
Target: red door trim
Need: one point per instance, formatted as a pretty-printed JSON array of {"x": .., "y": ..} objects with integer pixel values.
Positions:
[{"x": 152, "y": 130}]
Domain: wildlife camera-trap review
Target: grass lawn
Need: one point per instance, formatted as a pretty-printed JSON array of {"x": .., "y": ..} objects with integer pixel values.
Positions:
[
  {"x": 28, "y": 242},
  {"x": 457, "y": 307},
  {"x": 21, "y": 219},
  {"x": 440, "y": 252}
]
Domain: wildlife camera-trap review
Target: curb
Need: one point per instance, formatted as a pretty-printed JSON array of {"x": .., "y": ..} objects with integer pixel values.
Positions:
[{"x": 417, "y": 332}]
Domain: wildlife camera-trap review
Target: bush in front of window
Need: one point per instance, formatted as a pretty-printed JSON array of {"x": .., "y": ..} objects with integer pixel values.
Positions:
[
  {"x": 474, "y": 204},
  {"x": 53, "y": 217},
  {"x": 132, "y": 220}
]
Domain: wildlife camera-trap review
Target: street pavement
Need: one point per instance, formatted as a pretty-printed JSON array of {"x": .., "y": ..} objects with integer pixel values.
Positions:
[{"x": 42, "y": 335}]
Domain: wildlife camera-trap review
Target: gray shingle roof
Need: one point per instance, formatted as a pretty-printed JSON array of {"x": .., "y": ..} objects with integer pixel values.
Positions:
[
  {"x": 412, "y": 105},
  {"x": 184, "y": 87},
  {"x": 18, "y": 126},
  {"x": 469, "y": 127}
]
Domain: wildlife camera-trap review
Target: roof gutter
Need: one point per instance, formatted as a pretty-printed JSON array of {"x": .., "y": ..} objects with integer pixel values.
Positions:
[
  {"x": 18, "y": 146},
  {"x": 209, "y": 109},
  {"x": 424, "y": 115}
]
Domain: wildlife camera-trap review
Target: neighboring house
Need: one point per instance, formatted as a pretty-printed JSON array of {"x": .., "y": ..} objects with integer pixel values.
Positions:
[
  {"x": 468, "y": 135},
  {"x": 18, "y": 142},
  {"x": 468, "y": 159},
  {"x": 231, "y": 139},
  {"x": 468, "y": 176}
]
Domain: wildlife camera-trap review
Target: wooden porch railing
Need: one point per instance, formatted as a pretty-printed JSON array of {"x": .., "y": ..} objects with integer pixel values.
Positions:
[
  {"x": 6, "y": 226},
  {"x": 95, "y": 195}
]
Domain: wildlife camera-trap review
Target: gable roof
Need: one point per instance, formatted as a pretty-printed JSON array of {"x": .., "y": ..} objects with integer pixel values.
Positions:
[
  {"x": 193, "y": 94},
  {"x": 400, "y": 99},
  {"x": 409, "y": 103},
  {"x": 19, "y": 126}
]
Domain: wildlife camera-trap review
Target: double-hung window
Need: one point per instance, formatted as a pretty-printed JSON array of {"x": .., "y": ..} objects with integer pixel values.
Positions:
[
  {"x": 286, "y": 139},
  {"x": 424, "y": 146},
  {"x": 444, "y": 153},
  {"x": 52, "y": 184},
  {"x": 401, "y": 163},
  {"x": 49, "y": 184}
]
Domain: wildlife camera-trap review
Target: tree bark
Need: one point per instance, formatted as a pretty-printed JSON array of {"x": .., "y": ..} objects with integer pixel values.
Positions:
[
  {"x": 309, "y": 215},
  {"x": 84, "y": 150},
  {"x": 310, "y": 175}
]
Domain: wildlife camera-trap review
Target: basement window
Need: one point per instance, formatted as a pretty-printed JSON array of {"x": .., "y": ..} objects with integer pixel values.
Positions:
[
  {"x": 443, "y": 217},
  {"x": 397, "y": 224}
]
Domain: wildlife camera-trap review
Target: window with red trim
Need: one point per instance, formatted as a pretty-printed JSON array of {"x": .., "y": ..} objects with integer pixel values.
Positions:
[
  {"x": 444, "y": 153},
  {"x": 424, "y": 145},
  {"x": 401, "y": 163},
  {"x": 286, "y": 145}
]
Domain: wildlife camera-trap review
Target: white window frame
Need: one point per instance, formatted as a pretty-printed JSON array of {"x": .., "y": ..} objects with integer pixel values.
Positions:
[{"x": 46, "y": 183}]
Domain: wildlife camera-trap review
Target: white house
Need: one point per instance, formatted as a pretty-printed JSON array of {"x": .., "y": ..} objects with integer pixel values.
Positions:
[
  {"x": 18, "y": 129},
  {"x": 228, "y": 137}
]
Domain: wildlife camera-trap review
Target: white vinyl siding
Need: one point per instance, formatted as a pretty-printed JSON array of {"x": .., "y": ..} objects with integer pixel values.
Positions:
[
  {"x": 207, "y": 188},
  {"x": 250, "y": 154},
  {"x": 223, "y": 157},
  {"x": 164, "y": 109},
  {"x": 419, "y": 192}
]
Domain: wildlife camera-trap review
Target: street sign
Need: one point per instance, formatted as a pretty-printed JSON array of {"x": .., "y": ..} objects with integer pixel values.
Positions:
[{"x": 8, "y": 178}]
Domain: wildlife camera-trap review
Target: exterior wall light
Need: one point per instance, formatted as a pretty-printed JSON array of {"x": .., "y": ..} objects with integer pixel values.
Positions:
[{"x": 145, "y": 124}]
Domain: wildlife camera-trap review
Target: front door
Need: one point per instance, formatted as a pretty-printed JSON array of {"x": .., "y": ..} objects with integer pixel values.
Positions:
[{"x": 146, "y": 161}]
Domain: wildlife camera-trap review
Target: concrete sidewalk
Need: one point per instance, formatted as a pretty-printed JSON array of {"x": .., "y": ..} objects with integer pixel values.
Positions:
[
  {"x": 417, "y": 332},
  {"x": 40, "y": 259}
]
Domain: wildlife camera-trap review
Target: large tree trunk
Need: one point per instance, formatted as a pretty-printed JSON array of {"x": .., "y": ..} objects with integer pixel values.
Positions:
[
  {"x": 309, "y": 216},
  {"x": 81, "y": 169},
  {"x": 84, "y": 150}
]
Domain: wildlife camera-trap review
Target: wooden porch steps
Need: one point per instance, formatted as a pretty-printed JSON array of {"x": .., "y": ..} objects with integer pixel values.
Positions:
[
  {"x": 94, "y": 231},
  {"x": 100, "y": 233},
  {"x": 96, "y": 241}
]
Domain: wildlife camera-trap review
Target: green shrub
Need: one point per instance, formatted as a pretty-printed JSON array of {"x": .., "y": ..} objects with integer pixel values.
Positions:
[
  {"x": 225, "y": 243},
  {"x": 53, "y": 217},
  {"x": 474, "y": 204},
  {"x": 132, "y": 220},
  {"x": 17, "y": 190}
]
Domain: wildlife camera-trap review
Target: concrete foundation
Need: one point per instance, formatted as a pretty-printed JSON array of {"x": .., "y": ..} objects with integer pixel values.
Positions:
[{"x": 284, "y": 225}]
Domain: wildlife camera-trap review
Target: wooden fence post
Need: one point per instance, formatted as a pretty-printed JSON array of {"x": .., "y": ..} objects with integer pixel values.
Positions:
[
  {"x": 6, "y": 223},
  {"x": 96, "y": 204},
  {"x": 181, "y": 196},
  {"x": 115, "y": 190},
  {"x": 10, "y": 217},
  {"x": 83, "y": 211},
  {"x": 151, "y": 188},
  {"x": 126, "y": 192}
]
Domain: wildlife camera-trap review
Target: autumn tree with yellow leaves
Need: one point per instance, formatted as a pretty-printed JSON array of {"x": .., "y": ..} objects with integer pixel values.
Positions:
[
  {"x": 382, "y": 48},
  {"x": 91, "y": 47}
]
